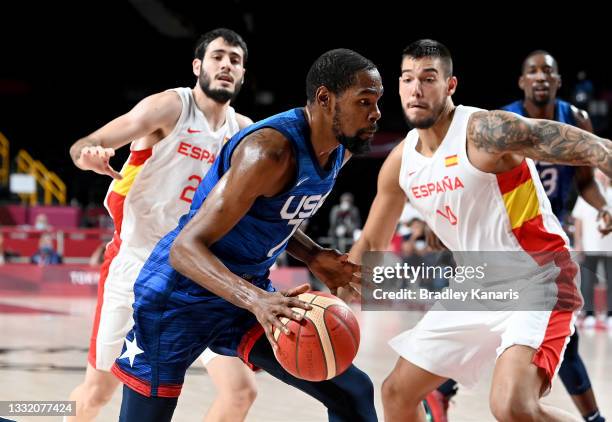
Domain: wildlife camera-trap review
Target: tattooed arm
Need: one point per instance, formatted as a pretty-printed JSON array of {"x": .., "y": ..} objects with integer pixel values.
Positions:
[{"x": 499, "y": 133}]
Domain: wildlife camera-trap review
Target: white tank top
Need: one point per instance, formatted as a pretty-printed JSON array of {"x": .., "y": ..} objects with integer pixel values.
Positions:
[
  {"x": 159, "y": 182},
  {"x": 470, "y": 210}
]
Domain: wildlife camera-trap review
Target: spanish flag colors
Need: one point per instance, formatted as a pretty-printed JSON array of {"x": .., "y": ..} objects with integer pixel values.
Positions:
[{"x": 451, "y": 160}]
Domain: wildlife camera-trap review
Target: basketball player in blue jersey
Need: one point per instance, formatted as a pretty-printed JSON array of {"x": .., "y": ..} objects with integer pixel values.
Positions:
[
  {"x": 540, "y": 81},
  {"x": 206, "y": 283}
]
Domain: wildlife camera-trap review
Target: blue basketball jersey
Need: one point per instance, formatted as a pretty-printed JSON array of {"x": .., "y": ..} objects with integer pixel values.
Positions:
[
  {"x": 557, "y": 179},
  {"x": 252, "y": 245}
]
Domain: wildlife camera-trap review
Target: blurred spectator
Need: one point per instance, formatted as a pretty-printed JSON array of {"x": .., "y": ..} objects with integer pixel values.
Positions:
[
  {"x": 5, "y": 255},
  {"x": 409, "y": 213},
  {"x": 403, "y": 231},
  {"x": 97, "y": 257},
  {"x": 46, "y": 254},
  {"x": 344, "y": 220},
  {"x": 583, "y": 91},
  {"x": 415, "y": 249},
  {"x": 596, "y": 249},
  {"x": 413, "y": 238},
  {"x": 586, "y": 97},
  {"x": 97, "y": 216},
  {"x": 42, "y": 222}
]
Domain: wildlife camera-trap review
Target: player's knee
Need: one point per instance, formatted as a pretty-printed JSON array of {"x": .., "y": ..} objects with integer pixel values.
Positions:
[
  {"x": 242, "y": 395},
  {"x": 245, "y": 396},
  {"x": 98, "y": 394},
  {"x": 513, "y": 408},
  {"x": 574, "y": 375},
  {"x": 394, "y": 391}
]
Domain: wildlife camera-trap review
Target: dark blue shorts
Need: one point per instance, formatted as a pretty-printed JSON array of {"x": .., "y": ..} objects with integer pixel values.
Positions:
[{"x": 174, "y": 322}]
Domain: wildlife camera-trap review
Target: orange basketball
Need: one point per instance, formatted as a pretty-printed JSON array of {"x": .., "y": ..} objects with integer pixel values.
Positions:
[{"x": 324, "y": 343}]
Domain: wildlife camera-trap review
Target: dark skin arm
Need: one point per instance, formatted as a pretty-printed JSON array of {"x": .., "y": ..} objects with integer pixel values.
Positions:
[
  {"x": 591, "y": 193},
  {"x": 328, "y": 265},
  {"x": 262, "y": 165},
  {"x": 585, "y": 182},
  {"x": 588, "y": 189}
]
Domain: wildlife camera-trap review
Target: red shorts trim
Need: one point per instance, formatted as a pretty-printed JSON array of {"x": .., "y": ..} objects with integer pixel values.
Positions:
[
  {"x": 246, "y": 344},
  {"x": 549, "y": 354},
  {"x": 143, "y": 387}
]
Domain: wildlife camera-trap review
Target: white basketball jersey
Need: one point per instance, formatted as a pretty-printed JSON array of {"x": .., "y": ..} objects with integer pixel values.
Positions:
[
  {"x": 159, "y": 182},
  {"x": 470, "y": 210}
]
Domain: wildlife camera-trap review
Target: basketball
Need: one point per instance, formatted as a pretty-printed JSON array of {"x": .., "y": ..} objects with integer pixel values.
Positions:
[{"x": 324, "y": 343}]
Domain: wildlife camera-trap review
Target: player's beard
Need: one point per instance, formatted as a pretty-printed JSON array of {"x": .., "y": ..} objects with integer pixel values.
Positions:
[
  {"x": 355, "y": 144},
  {"x": 221, "y": 95},
  {"x": 426, "y": 122}
]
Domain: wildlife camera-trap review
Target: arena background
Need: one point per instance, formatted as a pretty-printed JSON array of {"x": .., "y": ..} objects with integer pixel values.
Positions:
[{"x": 68, "y": 68}]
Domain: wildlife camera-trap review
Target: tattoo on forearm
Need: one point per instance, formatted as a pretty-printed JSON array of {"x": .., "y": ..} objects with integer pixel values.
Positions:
[{"x": 499, "y": 131}]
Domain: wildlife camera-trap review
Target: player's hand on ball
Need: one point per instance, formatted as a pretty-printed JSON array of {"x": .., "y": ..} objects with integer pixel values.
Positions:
[
  {"x": 96, "y": 158},
  {"x": 334, "y": 269},
  {"x": 270, "y": 307},
  {"x": 350, "y": 293}
]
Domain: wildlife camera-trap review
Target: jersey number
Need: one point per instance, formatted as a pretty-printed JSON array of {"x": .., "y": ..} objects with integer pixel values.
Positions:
[
  {"x": 193, "y": 182},
  {"x": 549, "y": 177},
  {"x": 449, "y": 215},
  {"x": 296, "y": 222}
]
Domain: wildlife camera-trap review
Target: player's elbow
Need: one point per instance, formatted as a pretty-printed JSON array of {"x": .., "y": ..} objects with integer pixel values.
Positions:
[
  {"x": 174, "y": 257},
  {"x": 75, "y": 152},
  {"x": 179, "y": 251}
]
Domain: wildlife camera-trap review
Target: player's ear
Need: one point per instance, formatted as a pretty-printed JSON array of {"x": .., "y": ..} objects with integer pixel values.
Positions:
[
  {"x": 559, "y": 81},
  {"x": 521, "y": 83},
  {"x": 197, "y": 66},
  {"x": 452, "y": 85},
  {"x": 323, "y": 96}
]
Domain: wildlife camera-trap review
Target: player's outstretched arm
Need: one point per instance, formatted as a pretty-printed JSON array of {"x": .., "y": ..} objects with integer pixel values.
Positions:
[
  {"x": 590, "y": 192},
  {"x": 501, "y": 132},
  {"x": 385, "y": 211},
  {"x": 329, "y": 265},
  {"x": 262, "y": 165},
  {"x": 153, "y": 113},
  {"x": 382, "y": 219}
]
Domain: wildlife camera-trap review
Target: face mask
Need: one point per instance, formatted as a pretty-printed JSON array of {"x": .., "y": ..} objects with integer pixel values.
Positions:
[
  {"x": 340, "y": 231},
  {"x": 404, "y": 230},
  {"x": 40, "y": 226},
  {"x": 47, "y": 250},
  {"x": 344, "y": 206}
]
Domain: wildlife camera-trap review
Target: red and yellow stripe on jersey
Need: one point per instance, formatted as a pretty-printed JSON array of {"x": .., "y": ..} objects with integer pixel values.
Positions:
[
  {"x": 524, "y": 211},
  {"x": 120, "y": 188},
  {"x": 114, "y": 201}
]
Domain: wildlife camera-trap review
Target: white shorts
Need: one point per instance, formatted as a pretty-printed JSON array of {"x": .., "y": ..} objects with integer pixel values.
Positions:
[
  {"x": 113, "y": 317},
  {"x": 463, "y": 344},
  {"x": 207, "y": 355}
]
